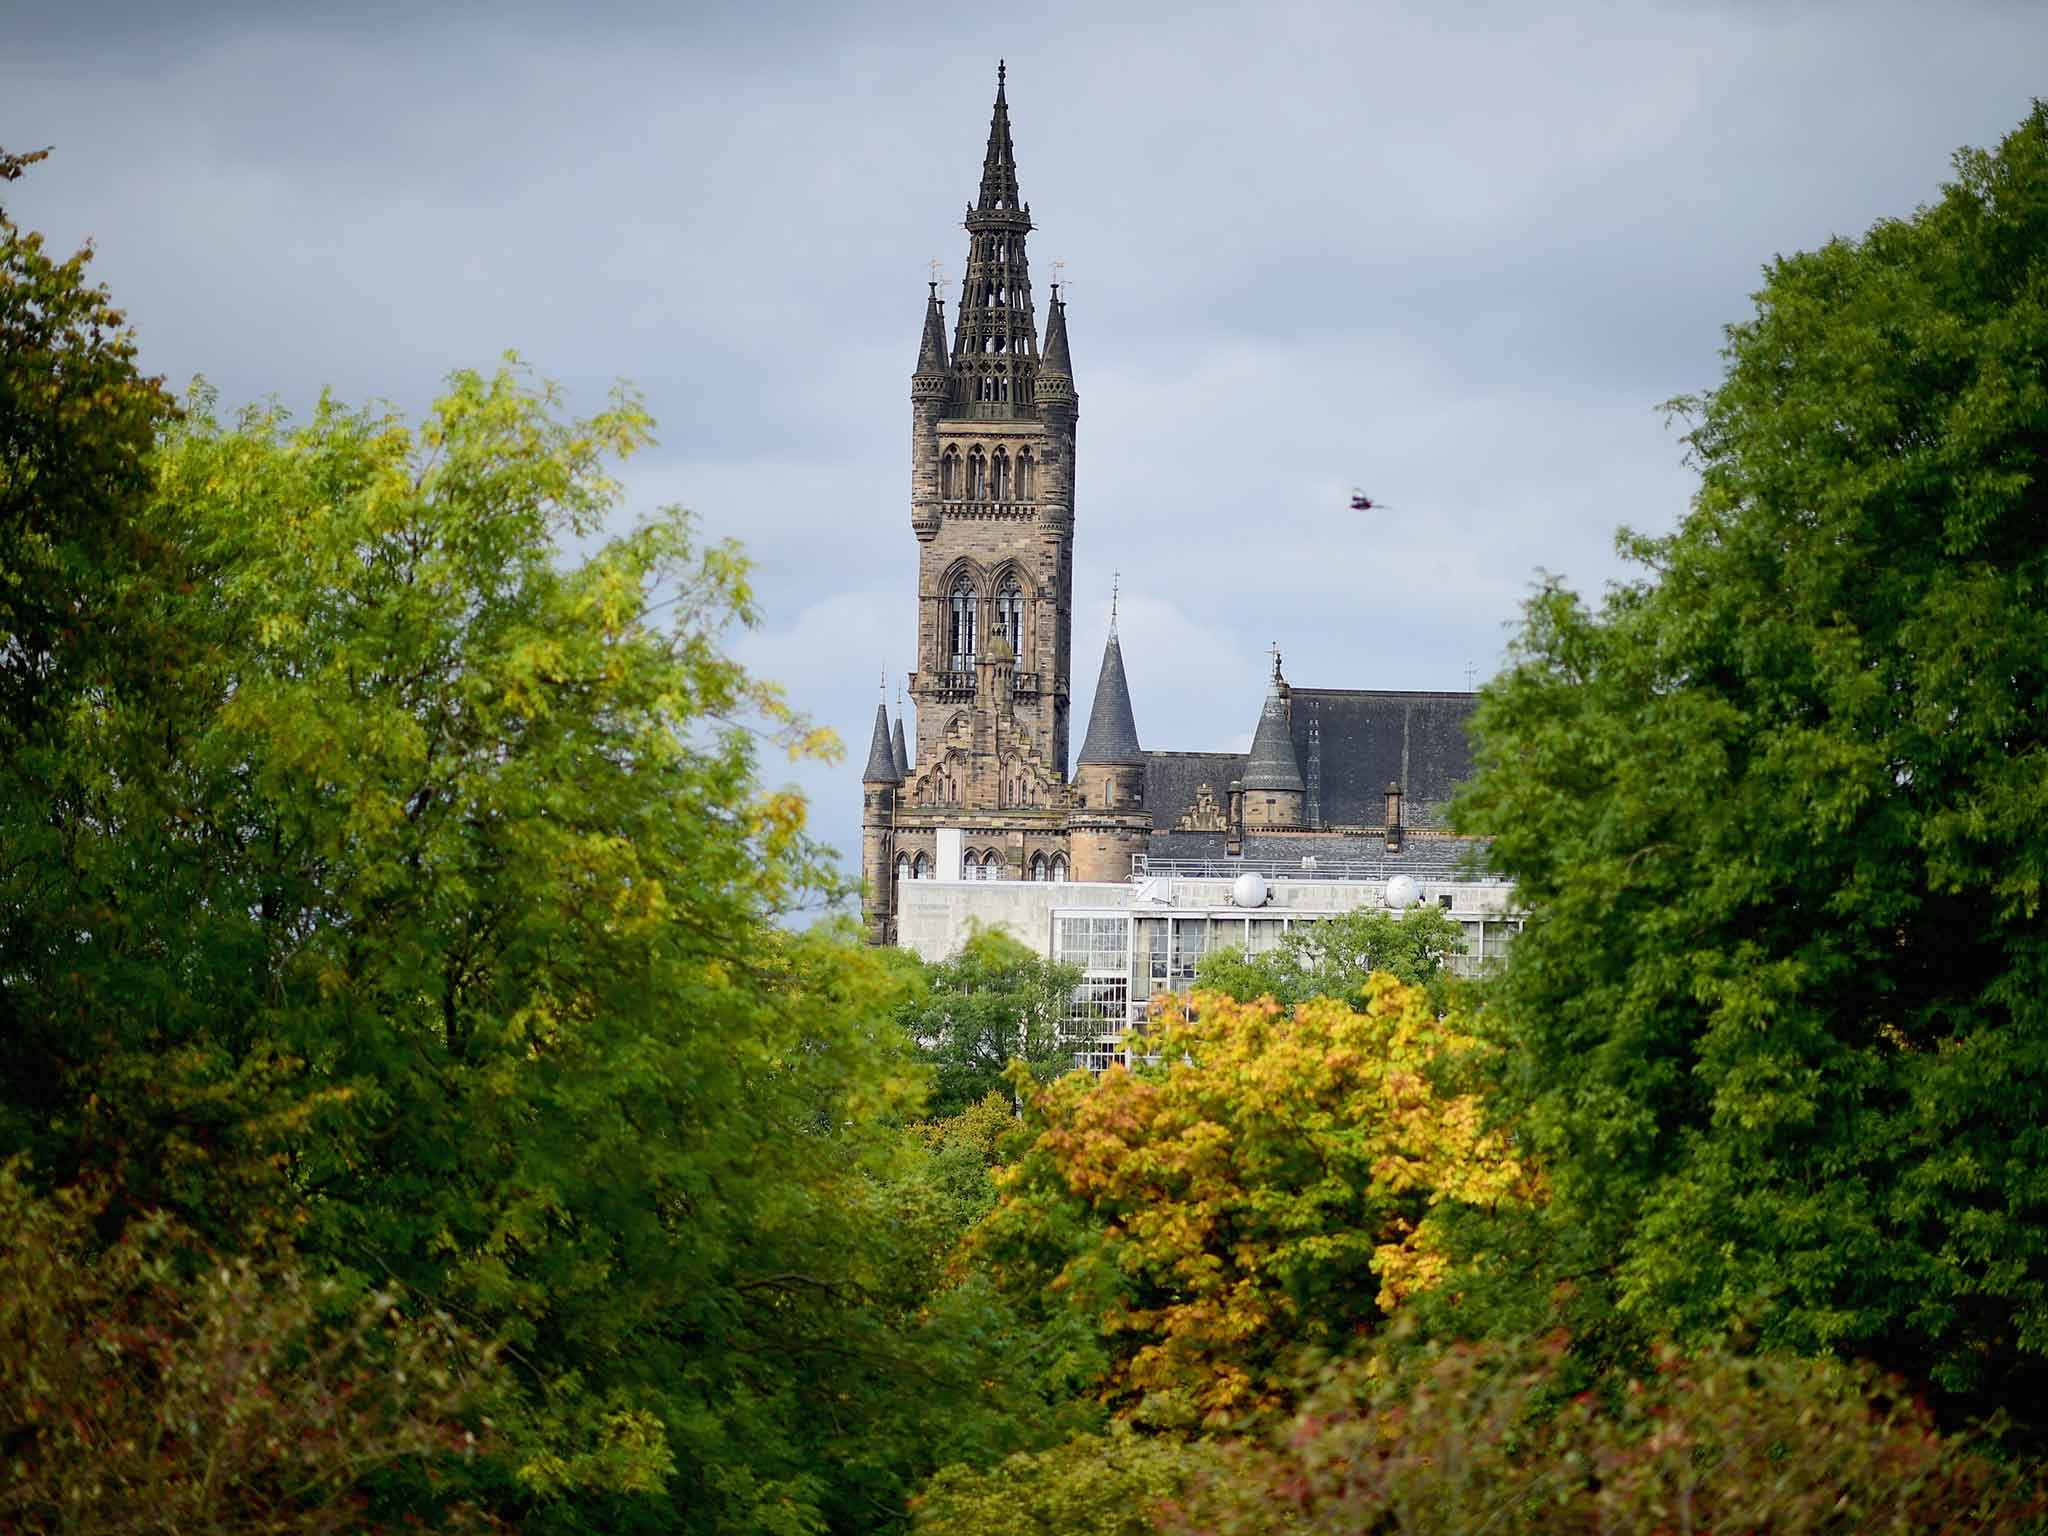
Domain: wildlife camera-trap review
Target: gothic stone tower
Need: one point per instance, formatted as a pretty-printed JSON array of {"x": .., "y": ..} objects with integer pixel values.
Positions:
[{"x": 992, "y": 427}]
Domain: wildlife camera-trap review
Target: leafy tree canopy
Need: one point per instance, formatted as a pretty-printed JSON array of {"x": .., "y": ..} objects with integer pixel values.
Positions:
[
  {"x": 994, "y": 1002},
  {"x": 1780, "y": 811},
  {"x": 1270, "y": 1184},
  {"x": 1333, "y": 958},
  {"x": 403, "y": 891}
]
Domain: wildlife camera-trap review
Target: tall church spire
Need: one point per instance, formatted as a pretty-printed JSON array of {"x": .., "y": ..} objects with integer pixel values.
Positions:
[
  {"x": 995, "y": 342},
  {"x": 999, "y": 165}
]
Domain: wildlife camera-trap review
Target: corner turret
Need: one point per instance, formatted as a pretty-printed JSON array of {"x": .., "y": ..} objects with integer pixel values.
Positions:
[
  {"x": 879, "y": 782},
  {"x": 1272, "y": 785},
  {"x": 1109, "y": 819}
]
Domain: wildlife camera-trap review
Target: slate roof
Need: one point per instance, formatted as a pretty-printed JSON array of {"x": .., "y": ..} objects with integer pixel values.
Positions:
[
  {"x": 1371, "y": 738},
  {"x": 898, "y": 750},
  {"x": 1423, "y": 858},
  {"x": 1112, "y": 733},
  {"x": 1171, "y": 779},
  {"x": 1056, "y": 358},
  {"x": 1367, "y": 738},
  {"x": 1274, "y": 763},
  {"x": 881, "y": 768}
]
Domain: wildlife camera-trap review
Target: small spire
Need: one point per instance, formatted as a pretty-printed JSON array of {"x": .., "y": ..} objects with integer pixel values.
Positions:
[
  {"x": 881, "y": 768},
  {"x": 1056, "y": 359},
  {"x": 931, "y": 347},
  {"x": 898, "y": 748},
  {"x": 1271, "y": 763},
  {"x": 1115, "y": 581},
  {"x": 1112, "y": 732},
  {"x": 1002, "y": 74}
]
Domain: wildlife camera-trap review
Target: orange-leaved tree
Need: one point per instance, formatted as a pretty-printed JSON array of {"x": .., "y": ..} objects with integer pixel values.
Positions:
[{"x": 1272, "y": 1181}]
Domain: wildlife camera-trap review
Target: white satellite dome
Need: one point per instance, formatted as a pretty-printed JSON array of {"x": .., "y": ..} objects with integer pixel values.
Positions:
[
  {"x": 1248, "y": 890},
  {"x": 1402, "y": 893}
]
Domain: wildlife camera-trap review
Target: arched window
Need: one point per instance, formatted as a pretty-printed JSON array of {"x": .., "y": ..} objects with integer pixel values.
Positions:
[
  {"x": 1001, "y": 466},
  {"x": 902, "y": 866},
  {"x": 921, "y": 868},
  {"x": 1059, "y": 867},
  {"x": 977, "y": 476},
  {"x": 962, "y": 607},
  {"x": 949, "y": 475},
  {"x": 1038, "y": 868},
  {"x": 1027, "y": 476},
  {"x": 1010, "y": 615},
  {"x": 992, "y": 865}
]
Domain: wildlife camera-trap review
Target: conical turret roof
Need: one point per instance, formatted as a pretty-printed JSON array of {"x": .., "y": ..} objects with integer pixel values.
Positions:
[
  {"x": 931, "y": 351},
  {"x": 1055, "y": 359},
  {"x": 1112, "y": 733},
  {"x": 1272, "y": 764},
  {"x": 897, "y": 749},
  {"x": 881, "y": 768}
]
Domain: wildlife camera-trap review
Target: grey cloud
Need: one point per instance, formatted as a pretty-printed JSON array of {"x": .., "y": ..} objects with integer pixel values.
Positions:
[{"x": 1456, "y": 254}]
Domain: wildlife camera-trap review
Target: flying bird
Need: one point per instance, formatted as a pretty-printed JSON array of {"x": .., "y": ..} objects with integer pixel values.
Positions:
[{"x": 1360, "y": 502}]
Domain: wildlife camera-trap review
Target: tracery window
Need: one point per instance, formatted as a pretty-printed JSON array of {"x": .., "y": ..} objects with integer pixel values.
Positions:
[
  {"x": 962, "y": 631},
  {"x": 1001, "y": 466},
  {"x": 902, "y": 866},
  {"x": 1010, "y": 615},
  {"x": 1059, "y": 867},
  {"x": 1038, "y": 867},
  {"x": 992, "y": 865},
  {"x": 1027, "y": 476},
  {"x": 977, "y": 476},
  {"x": 921, "y": 868}
]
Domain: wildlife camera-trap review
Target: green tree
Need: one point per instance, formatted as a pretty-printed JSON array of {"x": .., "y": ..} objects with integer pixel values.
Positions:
[
  {"x": 1333, "y": 958},
  {"x": 1498, "y": 1437},
  {"x": 424, "y": 908},
  {"x": 154, "y": 1389},
  {"x": 1274, "y": 1182},
  {"x": 994, "y": 1002},
  {"x": 1780, "y": 811}
]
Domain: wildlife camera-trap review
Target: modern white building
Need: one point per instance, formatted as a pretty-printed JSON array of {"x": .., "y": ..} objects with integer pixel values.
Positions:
[{"x": 1134, "y": 939}]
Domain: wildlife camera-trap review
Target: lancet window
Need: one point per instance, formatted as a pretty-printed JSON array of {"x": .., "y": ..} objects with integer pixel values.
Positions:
[
  {"x": 961, "y": 607},
  {"x": 1010, "y": 615},
  {"x": 1039, "y": 868},
  {"x": 1059, "y": 867},
  {"x": 1027, "y": 476},
  {"x": 977, "y": 475},
  {"x": 1001, "y": 467},
  {"x": 949, "y": 475}
]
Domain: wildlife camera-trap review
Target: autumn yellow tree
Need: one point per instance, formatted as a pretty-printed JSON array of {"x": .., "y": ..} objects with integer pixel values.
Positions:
[{"x": 1271, "y": 1182}]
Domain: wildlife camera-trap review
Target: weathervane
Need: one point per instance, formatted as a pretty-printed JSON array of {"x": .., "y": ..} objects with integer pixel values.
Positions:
[
  {"x": 1115, "y": 581},
  {"x": 935, "y": 274},
  {"x": 1275, "y": 649},
  {"x": 1057, "y": 280}
]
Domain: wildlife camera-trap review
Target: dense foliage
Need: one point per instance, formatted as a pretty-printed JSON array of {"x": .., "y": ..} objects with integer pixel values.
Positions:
[
  {"x": 149, "y": 1388},
  {"x": 1779, "y": 811},
  {"x": 390, "y": 883},
  {"x": 415, "y": 1109},
  {"x": 977, "y": 1011},
  {"x": 1334, "y": 957},
  {"x": 1268, "y": 1185},
  {"x": 1484, "y": 1438}
]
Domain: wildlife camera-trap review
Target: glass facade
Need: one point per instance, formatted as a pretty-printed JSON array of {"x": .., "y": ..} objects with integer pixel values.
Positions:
[{"x": 1127, "y": 958}]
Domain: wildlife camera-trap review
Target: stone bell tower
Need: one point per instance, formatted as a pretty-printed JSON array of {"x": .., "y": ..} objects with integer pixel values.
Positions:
[{"x": 992, "y": 428}]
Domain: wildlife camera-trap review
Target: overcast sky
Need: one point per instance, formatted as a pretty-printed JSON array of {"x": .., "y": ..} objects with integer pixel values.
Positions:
[{"x": 1455, "y": 254}]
